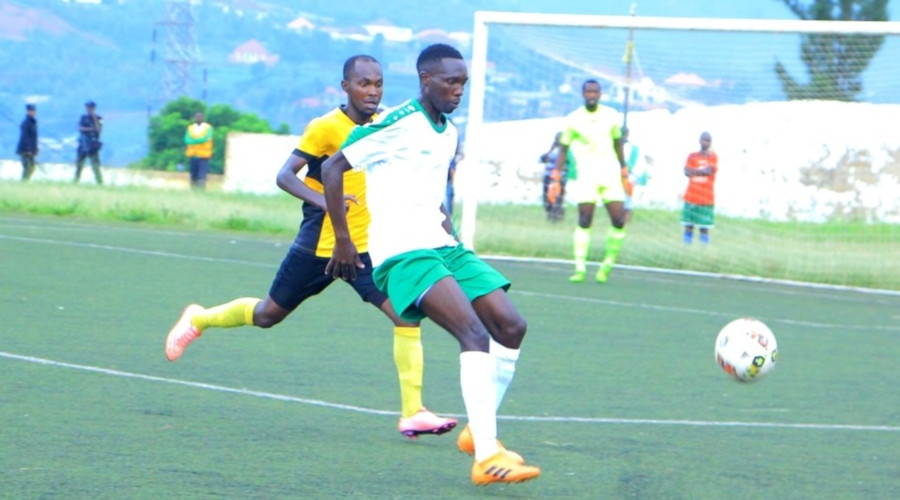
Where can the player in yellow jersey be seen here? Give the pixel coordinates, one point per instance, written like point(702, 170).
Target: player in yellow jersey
point(302, 273)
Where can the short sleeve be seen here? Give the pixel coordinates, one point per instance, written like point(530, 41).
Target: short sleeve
point(567, 135)
point(616, 131)
point(312, 144)
point(372, 145)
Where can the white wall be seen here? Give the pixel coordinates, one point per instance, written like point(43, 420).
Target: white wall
point(808, 161)
point(252, 161)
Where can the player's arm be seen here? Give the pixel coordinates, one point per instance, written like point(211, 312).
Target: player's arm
point(618, 144)
point(344, 259)
point(691, 171)
point(288, 181)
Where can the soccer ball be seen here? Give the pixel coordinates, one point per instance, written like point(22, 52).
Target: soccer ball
point(746, 349)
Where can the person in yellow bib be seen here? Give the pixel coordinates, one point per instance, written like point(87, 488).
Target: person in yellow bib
point(199, 141)
point(302, 272)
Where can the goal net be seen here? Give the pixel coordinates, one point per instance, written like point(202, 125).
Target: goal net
point(803, 117)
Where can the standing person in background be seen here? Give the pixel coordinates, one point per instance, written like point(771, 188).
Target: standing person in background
point(302, 272)
point(28, 141)
point(699, 198)
point(89, 127)
point(555, 182)
point(199, 141)
point(637, 173)
point(594, 136)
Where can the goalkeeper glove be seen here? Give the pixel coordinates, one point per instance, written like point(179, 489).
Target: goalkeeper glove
point(626, 182)
point(554, 187)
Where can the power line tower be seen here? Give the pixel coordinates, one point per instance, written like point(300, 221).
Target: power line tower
point(180, 55)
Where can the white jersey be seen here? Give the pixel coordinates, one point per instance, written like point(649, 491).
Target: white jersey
point(590, 135)
point(406, 157)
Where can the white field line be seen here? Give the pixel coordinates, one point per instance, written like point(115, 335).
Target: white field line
point(372, 411)
point(702, 274)
point(648, 270)
point(151, 253)
point(681, 310)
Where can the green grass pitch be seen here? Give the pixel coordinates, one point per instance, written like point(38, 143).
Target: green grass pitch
point(616, 394)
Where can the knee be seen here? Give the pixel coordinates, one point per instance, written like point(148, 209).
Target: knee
point(511, 331)
point(266, 320)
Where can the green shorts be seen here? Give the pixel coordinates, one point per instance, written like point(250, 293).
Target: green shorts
point(698, 215)
point(406, 277)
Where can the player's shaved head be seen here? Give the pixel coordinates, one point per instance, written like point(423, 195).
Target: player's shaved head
point(589, 82)
point(705, 140)
point(590, 90)
point(350, 64)
point(442, 79)
point(432, 55)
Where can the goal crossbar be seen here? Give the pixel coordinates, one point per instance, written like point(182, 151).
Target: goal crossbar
point(690, 23)
point(482, 19)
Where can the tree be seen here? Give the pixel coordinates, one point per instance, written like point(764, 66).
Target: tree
point(834, 62)
point(168, 127)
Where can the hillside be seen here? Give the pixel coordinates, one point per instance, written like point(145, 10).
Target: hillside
point(60, 53)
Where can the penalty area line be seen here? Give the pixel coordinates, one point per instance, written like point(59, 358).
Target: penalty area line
point(372, 411)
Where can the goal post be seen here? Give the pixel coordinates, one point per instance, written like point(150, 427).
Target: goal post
point(788, 169)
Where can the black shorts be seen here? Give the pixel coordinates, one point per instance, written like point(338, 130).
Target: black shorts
point(302, 275)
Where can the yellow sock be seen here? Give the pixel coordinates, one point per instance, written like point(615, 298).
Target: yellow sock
point(410, 361)
point(238, 312)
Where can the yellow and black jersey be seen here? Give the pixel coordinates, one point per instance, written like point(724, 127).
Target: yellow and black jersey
point(322, 138)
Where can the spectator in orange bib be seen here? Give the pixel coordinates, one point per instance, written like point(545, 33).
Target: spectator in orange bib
point(699, 198)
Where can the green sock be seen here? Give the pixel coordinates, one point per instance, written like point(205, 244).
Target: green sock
point(582, 242)
point(614, 239)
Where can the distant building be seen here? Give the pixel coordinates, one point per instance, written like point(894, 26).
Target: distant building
point(643, 93)
point(460, 38)
point(252, 52)
point(433, 35)
point(686, 79)
point(350, 33)
point(389, 31)
point(301, 25)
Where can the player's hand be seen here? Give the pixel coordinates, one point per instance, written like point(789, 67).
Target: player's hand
point(344, 261)
point(628, 186)
point(554, 189)
point(350, 198)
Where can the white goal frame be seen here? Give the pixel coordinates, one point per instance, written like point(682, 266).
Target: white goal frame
point(482, 20)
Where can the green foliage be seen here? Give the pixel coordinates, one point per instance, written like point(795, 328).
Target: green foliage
point(167, 131)
point(834, 62)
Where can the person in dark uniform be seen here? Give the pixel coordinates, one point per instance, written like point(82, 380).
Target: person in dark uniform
point(90, 125)
point(28, 141)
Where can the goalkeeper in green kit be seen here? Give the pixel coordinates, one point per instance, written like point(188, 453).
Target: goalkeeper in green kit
point(593, 135)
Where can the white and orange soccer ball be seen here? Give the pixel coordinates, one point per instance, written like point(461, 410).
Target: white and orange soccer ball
point(746, 349)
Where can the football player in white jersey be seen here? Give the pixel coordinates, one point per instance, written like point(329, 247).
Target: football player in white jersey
point(418, 263)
